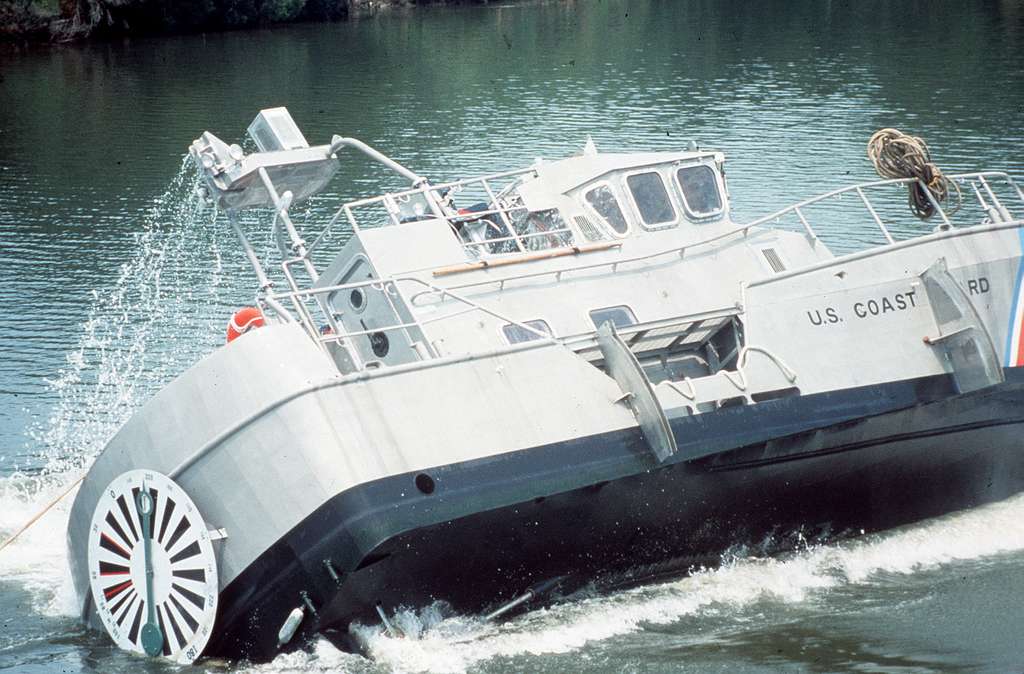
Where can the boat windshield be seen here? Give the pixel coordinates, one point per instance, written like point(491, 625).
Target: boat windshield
point(651, 199)
point(505, 225)
point(700, 190)
point(603, 201)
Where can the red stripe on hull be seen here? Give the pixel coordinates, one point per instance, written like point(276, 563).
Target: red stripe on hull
point(1020, 346)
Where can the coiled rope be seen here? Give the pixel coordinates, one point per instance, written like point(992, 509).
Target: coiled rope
point(899, 155)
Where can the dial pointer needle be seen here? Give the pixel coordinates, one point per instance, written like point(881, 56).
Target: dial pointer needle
point(152, 638)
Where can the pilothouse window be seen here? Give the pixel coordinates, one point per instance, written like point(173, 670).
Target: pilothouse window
point(651, 198)
point(540, 230)
point(604, 203)
point(516, 334)
point(700, 190)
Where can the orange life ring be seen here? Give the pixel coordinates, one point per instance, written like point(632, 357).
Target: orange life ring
point(244, 320)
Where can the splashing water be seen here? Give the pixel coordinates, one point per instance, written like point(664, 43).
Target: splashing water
point(132, 341)
point(163, 311)
point(440, 642)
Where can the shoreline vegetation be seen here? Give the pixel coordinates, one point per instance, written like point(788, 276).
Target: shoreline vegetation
point(70, 20)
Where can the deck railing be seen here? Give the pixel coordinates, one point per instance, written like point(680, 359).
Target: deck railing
point(667, 332)
point(330, 329)
point(978, 185)
point(429, 201)
point(976, 182)
point(326, 327)
point(992, 209)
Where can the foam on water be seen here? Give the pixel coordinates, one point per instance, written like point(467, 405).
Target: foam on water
point(438, 641)
point(37, 561)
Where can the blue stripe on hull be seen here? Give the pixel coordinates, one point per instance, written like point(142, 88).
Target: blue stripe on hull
point(1016, 301)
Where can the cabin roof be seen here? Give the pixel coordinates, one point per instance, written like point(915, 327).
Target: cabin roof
point(559, 177)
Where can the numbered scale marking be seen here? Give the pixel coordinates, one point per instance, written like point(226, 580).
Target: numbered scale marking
point(152, 568)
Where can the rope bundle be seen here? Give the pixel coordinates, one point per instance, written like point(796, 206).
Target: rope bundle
point(899, 155)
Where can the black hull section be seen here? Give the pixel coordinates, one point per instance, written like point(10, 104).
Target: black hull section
point(600, 509)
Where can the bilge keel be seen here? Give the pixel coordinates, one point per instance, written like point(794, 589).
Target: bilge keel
point(581, 372)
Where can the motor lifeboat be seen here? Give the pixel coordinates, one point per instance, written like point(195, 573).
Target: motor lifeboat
point(581, 373)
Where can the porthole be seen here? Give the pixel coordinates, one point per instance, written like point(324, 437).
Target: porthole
point(425, 483)
point(357, 299)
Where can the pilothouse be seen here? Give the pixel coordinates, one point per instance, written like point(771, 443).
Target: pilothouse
point(579, 373)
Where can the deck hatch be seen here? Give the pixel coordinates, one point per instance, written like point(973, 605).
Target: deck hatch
point(670, 337)
point(622, 366)
point(964, 341)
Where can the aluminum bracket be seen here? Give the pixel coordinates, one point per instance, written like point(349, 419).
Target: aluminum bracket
point(623, 367)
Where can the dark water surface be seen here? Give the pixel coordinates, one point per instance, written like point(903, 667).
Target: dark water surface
point(112, 281)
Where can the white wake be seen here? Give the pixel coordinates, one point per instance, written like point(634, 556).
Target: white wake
point(443, 643)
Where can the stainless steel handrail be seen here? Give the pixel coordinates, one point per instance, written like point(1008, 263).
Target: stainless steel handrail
point(422, 188)
point(744, 229)
point(614, 264)
point(297, 296)
point(573, 342)
point(437, 187)
point(879, 183)
point(863, 254)
point(431, 193)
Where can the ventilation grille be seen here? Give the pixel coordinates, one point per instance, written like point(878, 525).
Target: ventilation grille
point(773, 259)
point(589, 229)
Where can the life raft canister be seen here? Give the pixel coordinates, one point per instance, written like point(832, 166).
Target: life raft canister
point(244, 320)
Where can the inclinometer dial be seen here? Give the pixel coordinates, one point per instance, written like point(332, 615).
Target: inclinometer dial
point(152, 567)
